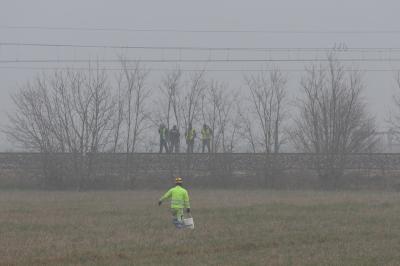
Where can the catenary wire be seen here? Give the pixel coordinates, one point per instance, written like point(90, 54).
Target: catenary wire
point(189, 69)
point(279, 49)
point(232, 60)
point(175, 30)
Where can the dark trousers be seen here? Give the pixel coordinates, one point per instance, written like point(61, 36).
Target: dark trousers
point(163, 144)
point(206, 143)
point(174, 147)
point(190, 145)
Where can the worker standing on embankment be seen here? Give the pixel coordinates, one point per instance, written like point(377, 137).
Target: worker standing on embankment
point(179, 201)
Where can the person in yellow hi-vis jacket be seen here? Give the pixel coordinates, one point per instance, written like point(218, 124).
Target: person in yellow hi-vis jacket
point(179, 201)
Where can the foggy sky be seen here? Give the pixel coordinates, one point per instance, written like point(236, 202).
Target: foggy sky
point(306, 15)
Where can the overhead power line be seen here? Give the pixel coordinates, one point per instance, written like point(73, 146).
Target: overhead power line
point(226, 31)
point(198, 60)
point(278, 49)
point(190, 69)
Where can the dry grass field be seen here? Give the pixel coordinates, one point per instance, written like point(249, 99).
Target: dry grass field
point(254, 227)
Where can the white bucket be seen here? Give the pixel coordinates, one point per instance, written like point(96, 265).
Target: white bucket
point(188, 222)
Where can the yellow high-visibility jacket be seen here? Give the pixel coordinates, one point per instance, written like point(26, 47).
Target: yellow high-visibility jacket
point(205, 133)
point(179, 197)
point(190, 134)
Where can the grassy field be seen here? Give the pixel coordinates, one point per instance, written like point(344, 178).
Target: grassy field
point(232, 228)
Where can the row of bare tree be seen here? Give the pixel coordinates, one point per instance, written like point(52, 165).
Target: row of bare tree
point(87, 112)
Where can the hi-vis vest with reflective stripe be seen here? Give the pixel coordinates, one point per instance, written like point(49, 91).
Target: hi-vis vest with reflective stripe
point(179, 197)
point(205, 133)
point(190, 134)
point(163, 132)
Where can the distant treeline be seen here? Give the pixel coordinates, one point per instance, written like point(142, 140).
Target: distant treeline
point(89, 112)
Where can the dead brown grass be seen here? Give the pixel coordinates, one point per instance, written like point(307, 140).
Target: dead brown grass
point(248, 227)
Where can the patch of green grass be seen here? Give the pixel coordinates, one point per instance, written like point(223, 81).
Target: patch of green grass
point(232, 228)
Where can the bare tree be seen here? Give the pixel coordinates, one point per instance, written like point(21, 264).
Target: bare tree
point(190, 104)
point(136, 97)
point(136, 114)
point(29, 126)
point(170, 98)
point(267, 106)
point(217, 108)
point(246, 131)
point(333, 120)
point(191, 98)
point(64, 112)
point(119, 110)
point(84, 107)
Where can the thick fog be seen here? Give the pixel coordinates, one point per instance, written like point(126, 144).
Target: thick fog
point(210, 24)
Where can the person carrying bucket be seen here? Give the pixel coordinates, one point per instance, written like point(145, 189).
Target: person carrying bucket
point(179, 201)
